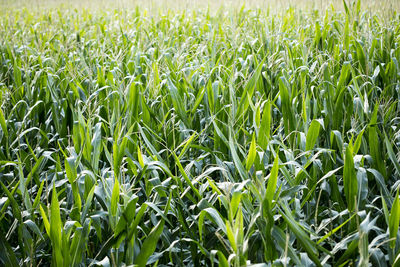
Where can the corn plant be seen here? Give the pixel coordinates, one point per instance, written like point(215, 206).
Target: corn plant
point(221, 137)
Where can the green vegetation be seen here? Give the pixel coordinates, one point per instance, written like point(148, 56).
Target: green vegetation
point(192, 138)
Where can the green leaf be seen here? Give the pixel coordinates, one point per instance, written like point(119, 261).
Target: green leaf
point(346, 8)
point(235, 201)
point(350, 182)
point(394, 220)
point(33, 226)
point(186, 177)
point(140, 157)
point(375, 144)
point(96, 144)
point(252, 153)
point(330, 233)
point(249, 90)
point(236, 160)
point(287, 113)
point(213, 215)
point(265, 127)
point(70, 169)
point(3, 123)
point(312, 134)
point(14, 204)
point(186, 144)
point(55, 228)
point(272, 181)
point(45, 220)
point(88, 202)
point(115, 198)
point(301, 236)
point(177, 102)
point(357, 143)
point(392, 155)
point(149, 245)
point(230, 235)
point(38, 195)
point(222, 262)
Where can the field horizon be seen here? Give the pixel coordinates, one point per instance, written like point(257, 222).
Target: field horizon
point(154, 6)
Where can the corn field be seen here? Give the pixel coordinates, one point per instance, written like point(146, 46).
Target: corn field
point(208, 137)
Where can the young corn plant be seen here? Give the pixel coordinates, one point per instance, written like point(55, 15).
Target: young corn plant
point(227, 136)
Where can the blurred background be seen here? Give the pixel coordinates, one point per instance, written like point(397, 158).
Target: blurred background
point(213, 5)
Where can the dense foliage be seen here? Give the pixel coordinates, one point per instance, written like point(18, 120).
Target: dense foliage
point(199, 138)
